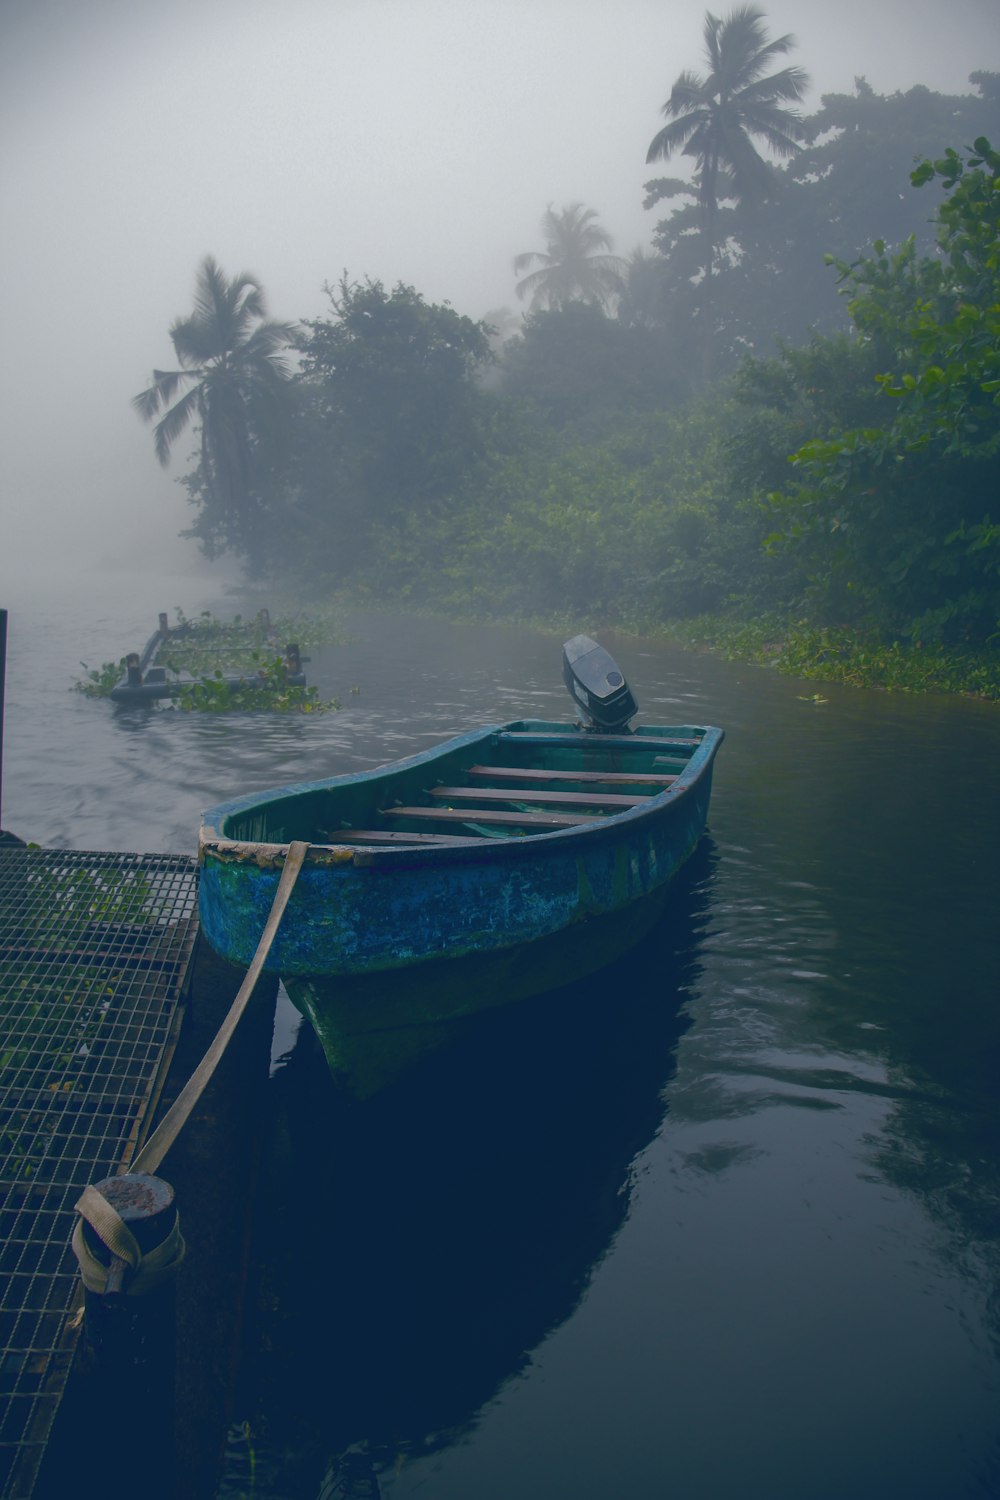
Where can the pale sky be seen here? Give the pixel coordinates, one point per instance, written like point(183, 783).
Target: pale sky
point(413, 140)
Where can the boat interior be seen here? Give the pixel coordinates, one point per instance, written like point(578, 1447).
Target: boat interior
point(532, 781)
point(513, 781)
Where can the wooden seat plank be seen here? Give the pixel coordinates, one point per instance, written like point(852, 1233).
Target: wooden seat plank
point(393, 836)
point(617, 800)
point(582, 741)
point(484, 815)
point(584, 778)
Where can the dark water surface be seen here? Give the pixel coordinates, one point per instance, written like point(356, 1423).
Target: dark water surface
point(723, 1220)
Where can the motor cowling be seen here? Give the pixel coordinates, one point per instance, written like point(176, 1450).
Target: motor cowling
point(597, 686)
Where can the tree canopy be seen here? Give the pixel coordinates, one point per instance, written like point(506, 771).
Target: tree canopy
point(716, 117)
point(569, 460)
point(846, 187)
point(388, 420)
point(896, 518)
point(576, 264)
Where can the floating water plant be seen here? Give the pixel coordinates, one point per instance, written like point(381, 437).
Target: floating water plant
point(269, 690)
point(100, 680)
point(210, 665)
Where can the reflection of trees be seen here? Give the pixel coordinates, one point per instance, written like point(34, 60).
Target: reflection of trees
point(443, 1229)
point(923, 924)
point(853, 956)
point(941, 1146)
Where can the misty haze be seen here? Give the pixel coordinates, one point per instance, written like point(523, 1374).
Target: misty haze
point(416, 144)
point(444, 331)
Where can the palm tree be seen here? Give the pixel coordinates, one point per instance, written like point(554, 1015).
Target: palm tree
point(643, 299)
point(231, 359)
point(572, 267)
point(715, 118)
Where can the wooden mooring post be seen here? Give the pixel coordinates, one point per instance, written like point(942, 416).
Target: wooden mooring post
point(151, 1390)
point(129, 1247)
point(3, 683)
point(5, 838)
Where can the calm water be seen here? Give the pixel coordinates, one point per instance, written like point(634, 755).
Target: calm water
point(723, 1221)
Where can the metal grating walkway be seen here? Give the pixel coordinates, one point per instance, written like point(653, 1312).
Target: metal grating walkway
point(94, 953)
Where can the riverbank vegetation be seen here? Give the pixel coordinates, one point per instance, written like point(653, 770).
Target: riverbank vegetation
point(774, 432)
point(848, 655)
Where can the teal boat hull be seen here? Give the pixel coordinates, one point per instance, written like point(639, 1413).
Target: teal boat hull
point(384, 948)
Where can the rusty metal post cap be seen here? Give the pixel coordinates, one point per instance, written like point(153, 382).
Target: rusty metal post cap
point(145, 1203)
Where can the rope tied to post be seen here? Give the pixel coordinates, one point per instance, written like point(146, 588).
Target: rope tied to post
point(143, 1272)
point(169, 1128)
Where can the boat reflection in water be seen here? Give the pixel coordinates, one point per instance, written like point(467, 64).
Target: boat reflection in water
point(416, 1248)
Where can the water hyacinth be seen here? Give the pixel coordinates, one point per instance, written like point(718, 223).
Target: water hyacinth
point(213, 652)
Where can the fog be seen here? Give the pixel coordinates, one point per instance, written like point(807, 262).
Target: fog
point(413, 140)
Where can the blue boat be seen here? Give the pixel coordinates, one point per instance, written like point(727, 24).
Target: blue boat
point(503, 863)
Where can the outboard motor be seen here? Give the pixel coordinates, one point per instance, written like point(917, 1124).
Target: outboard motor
point(598, 688)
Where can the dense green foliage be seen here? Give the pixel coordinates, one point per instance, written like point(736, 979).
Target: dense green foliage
point(829, 653)
point(847, 187)
point(641, 524)
point(577, 370)
point(840, 468)
point(894, 519)
point(100, 680)
point(390, 423)
point(268, 691)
